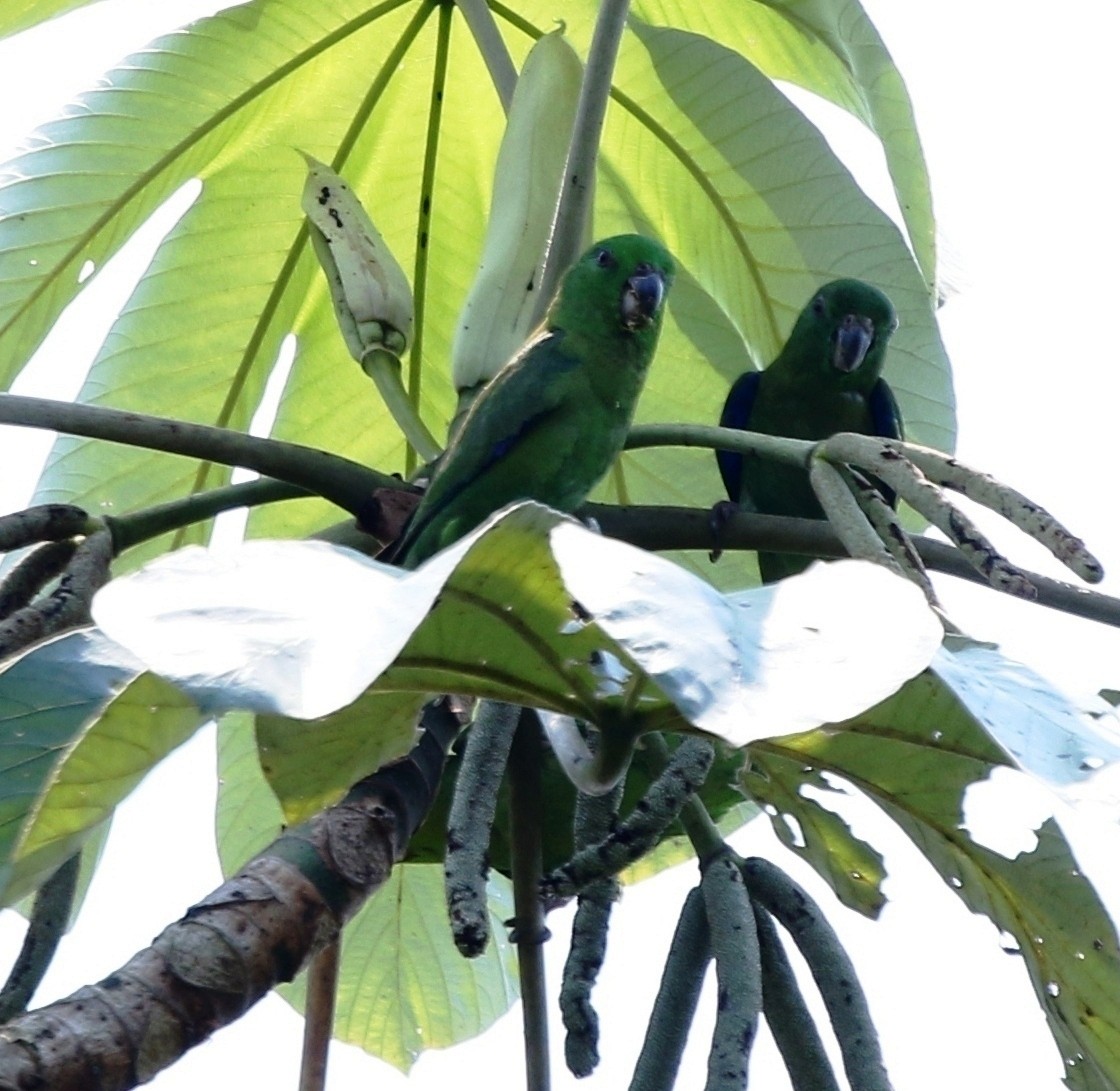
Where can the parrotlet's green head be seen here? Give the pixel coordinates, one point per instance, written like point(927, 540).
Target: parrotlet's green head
point(616, 290)
point(845, 328)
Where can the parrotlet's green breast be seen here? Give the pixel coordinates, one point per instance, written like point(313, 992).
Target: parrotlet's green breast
point(826, 379)
point(552, 421)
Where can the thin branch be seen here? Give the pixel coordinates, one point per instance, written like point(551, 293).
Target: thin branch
point(526, 820)
point(345, 483)
point(318, 1022)
point(49, 917)
point(147, 523)
point(574, 208)
point(795, 452)
point(657, 527)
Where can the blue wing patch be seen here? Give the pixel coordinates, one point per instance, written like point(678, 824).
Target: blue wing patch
point(737, 414)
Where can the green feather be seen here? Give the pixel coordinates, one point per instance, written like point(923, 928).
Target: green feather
point(551, 422)
point(826, 379)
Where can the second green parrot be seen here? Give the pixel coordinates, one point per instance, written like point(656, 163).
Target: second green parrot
point(549, 425)
point(827, 379)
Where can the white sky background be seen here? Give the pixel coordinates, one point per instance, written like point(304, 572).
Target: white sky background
point(1016, 108)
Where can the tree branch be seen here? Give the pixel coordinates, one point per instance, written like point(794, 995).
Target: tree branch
point(345, 483)
point(664, 528)
point(255, 931)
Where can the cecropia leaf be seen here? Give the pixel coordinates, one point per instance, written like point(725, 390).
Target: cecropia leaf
point(531, 607)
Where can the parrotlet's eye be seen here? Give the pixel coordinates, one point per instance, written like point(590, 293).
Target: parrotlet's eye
point(605, 259)
point(818, 305)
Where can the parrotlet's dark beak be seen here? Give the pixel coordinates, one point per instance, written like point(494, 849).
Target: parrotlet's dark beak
point(641, 297)
point(853, 339)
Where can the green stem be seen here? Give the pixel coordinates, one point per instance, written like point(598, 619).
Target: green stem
point(526, 819)
point(793, 451)
point(574, 209)
point(143, 525)
point(385, 370)
point(480, 22)
point(345, 483)
point(424, 216)
point(404, 412)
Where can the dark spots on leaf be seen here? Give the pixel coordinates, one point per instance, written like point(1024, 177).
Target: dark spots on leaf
point(423, 240)
point(426, 204)
point(529, 286)
point(324, 194)
point(336, 218)
point(580, 611)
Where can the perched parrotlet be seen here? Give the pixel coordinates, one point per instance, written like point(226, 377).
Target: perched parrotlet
point(826, 379)
point(551, 422)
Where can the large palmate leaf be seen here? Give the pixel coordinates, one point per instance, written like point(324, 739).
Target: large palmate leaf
point(602, 631)
point(403, 987)
point(917, 755)
point(831, 48)
point(700, 148)
point(20, 14)
point(82, 724)
point(773, 658)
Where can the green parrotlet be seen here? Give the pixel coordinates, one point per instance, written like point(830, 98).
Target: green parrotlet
point(827, 379)
point(551, 422)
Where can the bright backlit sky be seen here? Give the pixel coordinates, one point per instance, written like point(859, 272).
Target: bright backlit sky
point(1016, 107)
